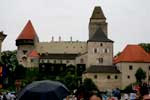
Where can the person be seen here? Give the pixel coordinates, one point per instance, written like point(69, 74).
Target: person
point(4, 97)
point(126, 96)
point(117, 93)
point(95, 96)
point(132, 95)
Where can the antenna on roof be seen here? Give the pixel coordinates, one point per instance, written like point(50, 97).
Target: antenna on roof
point(71, 38)
point(59, 38)
point(52, 38)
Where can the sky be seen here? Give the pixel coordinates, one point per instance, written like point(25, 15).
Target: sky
point(128, 20)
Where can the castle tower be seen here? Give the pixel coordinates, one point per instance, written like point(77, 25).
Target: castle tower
point(26, 42)
point(97, 20)
point(100, 47)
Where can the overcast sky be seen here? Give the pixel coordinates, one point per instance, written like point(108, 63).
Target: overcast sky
point(128, 20)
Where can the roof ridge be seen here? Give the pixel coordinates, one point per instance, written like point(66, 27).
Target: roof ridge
point(133, 53)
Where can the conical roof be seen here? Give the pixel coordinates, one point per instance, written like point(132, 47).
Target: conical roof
point(133, 53)
point(28, 32)
point(99, 36)
point(98, 13)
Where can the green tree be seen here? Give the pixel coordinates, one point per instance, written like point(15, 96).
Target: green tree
point(20, 72)
point(70, 80)
point(9, 58)
point(89, 85)
point(140, 75)
point(145, 46)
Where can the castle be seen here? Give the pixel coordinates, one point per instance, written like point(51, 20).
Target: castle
point(95, 55)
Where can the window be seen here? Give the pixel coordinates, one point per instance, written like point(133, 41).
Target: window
point(95, 50)
point(81, 60)
point(106, 50)
point(108, 77)
point(95, 76)
point(31, 60)
point(99, 60)
point(24, 51)
point(101, 44)
point(128, 77)
point(116, 77)
point(149, 67)
point(130, 67)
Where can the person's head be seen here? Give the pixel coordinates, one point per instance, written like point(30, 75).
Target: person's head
point(95, 96)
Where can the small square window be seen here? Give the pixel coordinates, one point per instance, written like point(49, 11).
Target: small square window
point(24, 51)
point(101, 44)
point(116, 77)
point(130, 67)
point(128, 77)
point(108, 77)
point(95, 76)
point(99, 60)
point(95, 50)
point(149, 67)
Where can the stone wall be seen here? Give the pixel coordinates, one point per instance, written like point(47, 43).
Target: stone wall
point(102, 82)
point(128, 73)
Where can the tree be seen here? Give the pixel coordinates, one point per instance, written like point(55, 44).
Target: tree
point(9, 58)
point(140, 75)
point(20, 72)
point(70, 80)
point(89, 85)
point(145, 46)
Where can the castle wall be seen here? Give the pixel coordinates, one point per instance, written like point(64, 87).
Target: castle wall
point(63, 47)
point(102, 82)
point(128, 73)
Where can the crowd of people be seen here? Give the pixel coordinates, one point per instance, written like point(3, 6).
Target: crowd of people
point(7, 96)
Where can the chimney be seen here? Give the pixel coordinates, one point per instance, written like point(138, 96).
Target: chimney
point(59, 38)
point(71, 38)
point(52, 38)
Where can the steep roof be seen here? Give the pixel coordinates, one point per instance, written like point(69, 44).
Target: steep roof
point(98, 13)
point(28, 32)
point(99, 36)
point(102, 69)
point(33, 53)
point(133, 53)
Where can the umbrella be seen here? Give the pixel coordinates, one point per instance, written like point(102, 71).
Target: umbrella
point(44, 90)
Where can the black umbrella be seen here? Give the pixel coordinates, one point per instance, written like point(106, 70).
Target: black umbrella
point(43, 90)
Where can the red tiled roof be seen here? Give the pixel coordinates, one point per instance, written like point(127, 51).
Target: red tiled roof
point(28, 32)
point(33, 53)
point(133, 53)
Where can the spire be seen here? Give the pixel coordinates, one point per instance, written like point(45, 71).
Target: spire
point(99, 36)
point(28, 32)
point(98, 13)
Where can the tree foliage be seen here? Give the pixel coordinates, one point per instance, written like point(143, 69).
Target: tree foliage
point(89, 85)
point(145, 46)
point(9, 58)
point(140, 75)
